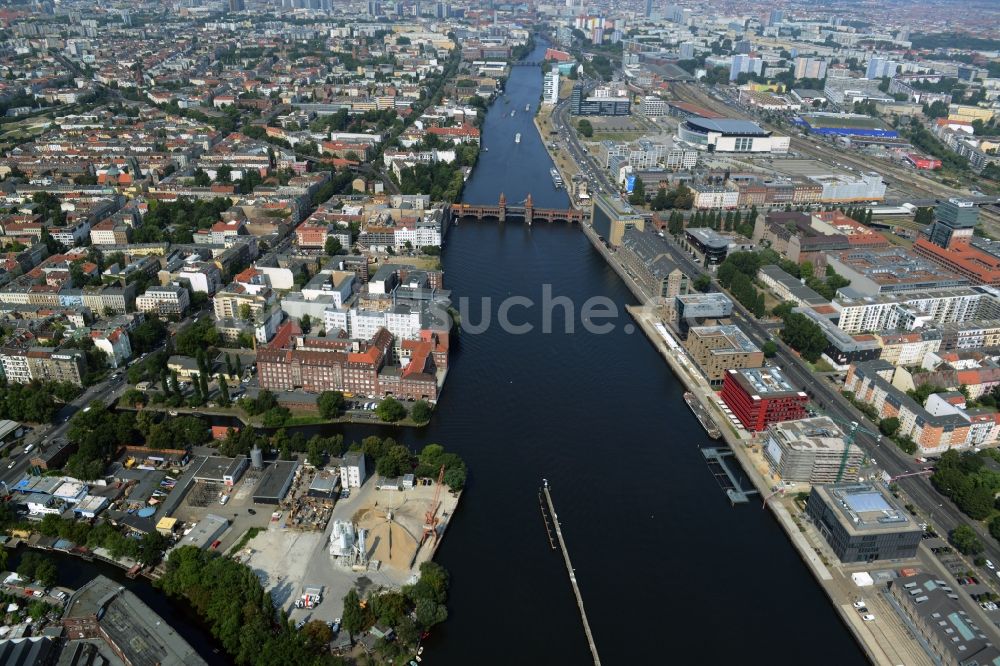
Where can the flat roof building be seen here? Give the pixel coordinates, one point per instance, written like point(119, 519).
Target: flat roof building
point(219, 469)
point(696, 309)
point(862, 524)
point(762, 396)
point(205, 532)
point(891, 270)
point(811, 451)
point(718, 348)
point(276, 482)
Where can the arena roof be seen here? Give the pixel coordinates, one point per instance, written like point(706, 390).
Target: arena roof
point(728, 126)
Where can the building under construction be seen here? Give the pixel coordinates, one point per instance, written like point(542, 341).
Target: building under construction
point(811, 450)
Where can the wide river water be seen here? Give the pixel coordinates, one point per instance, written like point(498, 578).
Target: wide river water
point(670, 572)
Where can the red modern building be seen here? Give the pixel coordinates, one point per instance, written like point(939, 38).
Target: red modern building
point(762, 396)
point(923, 161)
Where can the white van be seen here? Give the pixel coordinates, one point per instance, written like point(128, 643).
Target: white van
point(28, 448)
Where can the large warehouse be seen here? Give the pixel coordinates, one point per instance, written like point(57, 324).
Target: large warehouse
point(723, 135)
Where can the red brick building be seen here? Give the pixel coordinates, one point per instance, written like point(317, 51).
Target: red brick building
point(762, 396)
point(315, 365)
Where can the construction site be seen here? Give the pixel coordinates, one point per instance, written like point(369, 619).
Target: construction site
point(377, 537)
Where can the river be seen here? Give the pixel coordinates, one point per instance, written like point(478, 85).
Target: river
point(666, 565)
point(74, 572)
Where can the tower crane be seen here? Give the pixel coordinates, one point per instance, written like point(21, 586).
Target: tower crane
point(851, 430)
point(430, 518)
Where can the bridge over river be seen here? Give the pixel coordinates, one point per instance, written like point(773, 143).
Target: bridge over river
point(526, 210)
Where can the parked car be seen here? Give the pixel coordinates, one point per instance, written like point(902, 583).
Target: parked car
point(860, 603)
point(868, 617)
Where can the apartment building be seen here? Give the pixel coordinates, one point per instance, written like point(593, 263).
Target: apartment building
point(886, 312)
point(717, 349)
point(164, 301)
point(871, 383)
point(115, 344)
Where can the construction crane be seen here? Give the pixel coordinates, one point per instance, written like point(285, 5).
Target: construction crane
point(430, 518)
point(853, 427)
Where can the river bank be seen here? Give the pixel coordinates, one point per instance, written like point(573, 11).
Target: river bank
point(74, 572)
point(299, 418)
point(647, 316)
point(594, 414)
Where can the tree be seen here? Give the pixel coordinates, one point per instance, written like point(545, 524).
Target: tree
point(420, 412)
point(803, 335)
point(353, 619)
point(224, 174)
point(317, 633)
point(395, 462)
point(330, 404)
point(965, 539)
point(314, 453)
point(638, 196)
point(245, 312)
point(454, 478)
point(888, 426)
point(585, 128)
point(661, 201)
point(770, 349)
point(305, 323)
point(201, 178)
point(995, 527)
point(333, 246)
point(390, 410)
point(223, 398)
point(203, 386)
point(702, 283)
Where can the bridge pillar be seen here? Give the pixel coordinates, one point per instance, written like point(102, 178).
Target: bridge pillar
point(529, 210)
point(503, 207)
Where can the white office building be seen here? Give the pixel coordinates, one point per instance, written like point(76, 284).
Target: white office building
point(550, 87)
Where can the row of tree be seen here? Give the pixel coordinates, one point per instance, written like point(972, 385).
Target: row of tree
point(229, 598)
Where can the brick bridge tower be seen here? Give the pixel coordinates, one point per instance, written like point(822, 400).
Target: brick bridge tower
point(529, 208)
point(503, 207)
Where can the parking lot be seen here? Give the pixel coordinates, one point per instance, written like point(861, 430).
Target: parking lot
point(975, 583)
point(239, 509)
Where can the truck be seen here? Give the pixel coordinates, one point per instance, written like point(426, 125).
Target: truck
point(223, 498)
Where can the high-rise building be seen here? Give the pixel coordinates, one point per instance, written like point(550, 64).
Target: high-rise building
point(810, 68)
point(550, 87)
point(237, 5)
point(649, 8)
point(674, 13)
point(744, 64)
point(776, 17)
point(954, 220)
point(686, 50)
point(373, 7)
point(743, 46)
point(881, 67)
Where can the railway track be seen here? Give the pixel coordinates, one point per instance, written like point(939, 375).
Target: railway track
point(897, 178)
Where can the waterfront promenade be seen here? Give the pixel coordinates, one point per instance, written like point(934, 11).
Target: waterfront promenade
point(887, 644)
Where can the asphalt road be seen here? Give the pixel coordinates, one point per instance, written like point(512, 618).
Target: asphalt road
point(106, 391)
point(933, 507)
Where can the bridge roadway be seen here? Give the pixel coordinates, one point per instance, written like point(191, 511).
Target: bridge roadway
point(501, 211)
